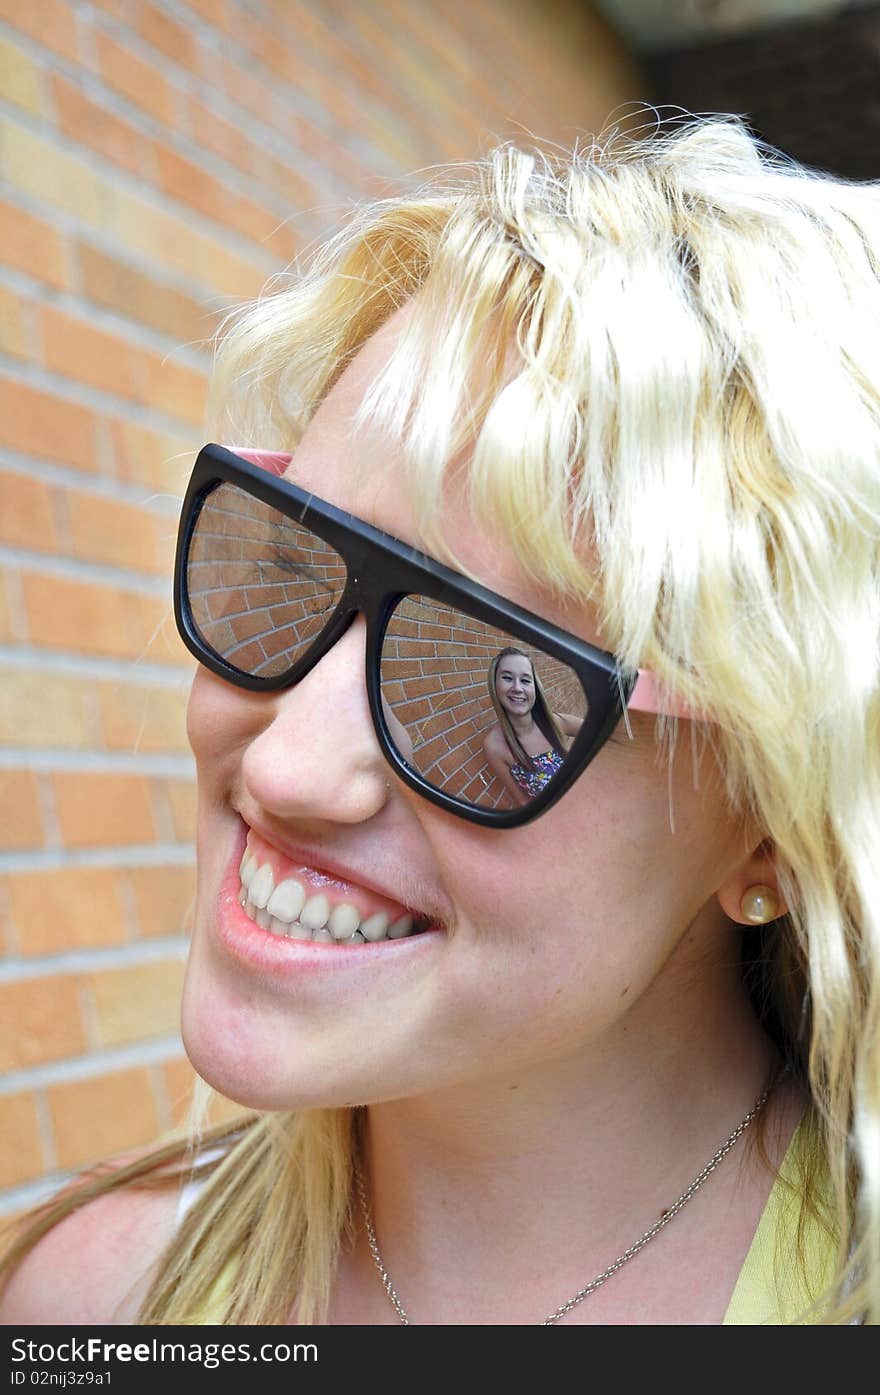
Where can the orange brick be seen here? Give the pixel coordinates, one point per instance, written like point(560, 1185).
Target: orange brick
point(340, 100)
point(164, 898)
point(6, 627)
point(38, 166)
point(216, 12)
point(21, 80)
point(179, 1081)
point(95, 1118)
point(50, 23)
point(96, 810)
point(267, 46)
point(13, 338)
point(166, 545)
point(63, 180)
point(302, 16)
point(106, 530)
point(163, 644)
point(288, 181)
point(45, 709)
point(134, 1004)
point(66, 908)
point(138, 717)
point(154, 458)
point(172, 240)
point(40, 1020)
point(169, 37)
point(38, 423)
point(190, 184)
point(334, 156)
point(220, 137)
point(94, 126)
point(31, 245)
point(21, 1151)
point(119, 287)
point(281, 239)
point(141, 83)
point(246, 89)
point(89, 619)
point(20, 816)
point(26, 519)
point(336, 56)
point(89, 355)
point(173, 388)
point(182, 798)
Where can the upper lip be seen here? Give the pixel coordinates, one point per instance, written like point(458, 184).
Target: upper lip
point(323, 861)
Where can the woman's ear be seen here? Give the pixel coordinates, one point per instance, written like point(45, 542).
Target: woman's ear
point(751, 895)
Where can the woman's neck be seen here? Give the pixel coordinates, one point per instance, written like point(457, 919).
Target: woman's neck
point(565, 1163)
point(523, 726)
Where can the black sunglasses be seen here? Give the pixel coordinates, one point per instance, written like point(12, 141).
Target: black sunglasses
point(481, 706)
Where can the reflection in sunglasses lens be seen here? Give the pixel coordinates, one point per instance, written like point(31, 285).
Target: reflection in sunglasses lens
point(261, 586)
point(478, 714)
point(481, 716)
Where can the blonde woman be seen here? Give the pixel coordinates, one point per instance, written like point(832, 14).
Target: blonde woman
point(611, 1056)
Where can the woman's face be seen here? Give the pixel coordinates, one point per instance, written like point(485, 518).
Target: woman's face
point(579, 932)
point(515, 684)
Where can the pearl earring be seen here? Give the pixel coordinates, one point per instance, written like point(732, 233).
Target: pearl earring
point(759, 904)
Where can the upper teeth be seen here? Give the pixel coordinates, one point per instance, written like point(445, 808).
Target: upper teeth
point(286, 910)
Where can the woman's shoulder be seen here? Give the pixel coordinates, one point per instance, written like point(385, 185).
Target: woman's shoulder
point(95, 1265)
point(494, 742)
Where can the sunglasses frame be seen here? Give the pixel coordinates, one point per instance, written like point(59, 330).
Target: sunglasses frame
point(381, 570)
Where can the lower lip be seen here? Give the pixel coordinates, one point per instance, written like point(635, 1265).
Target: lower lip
point(260, 949)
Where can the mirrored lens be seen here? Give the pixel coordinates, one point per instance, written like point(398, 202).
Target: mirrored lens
point(261, 586)
point(481, 716)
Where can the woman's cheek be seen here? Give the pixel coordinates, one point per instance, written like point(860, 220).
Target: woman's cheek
point(221, 720)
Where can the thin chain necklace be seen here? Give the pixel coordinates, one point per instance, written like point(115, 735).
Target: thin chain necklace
point(665, 1217)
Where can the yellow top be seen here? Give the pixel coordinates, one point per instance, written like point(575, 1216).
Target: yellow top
point(772, 1288)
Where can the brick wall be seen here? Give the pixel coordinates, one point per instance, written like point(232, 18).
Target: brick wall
point(158, 162)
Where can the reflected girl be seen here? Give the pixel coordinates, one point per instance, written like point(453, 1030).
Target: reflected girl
point(515, 747)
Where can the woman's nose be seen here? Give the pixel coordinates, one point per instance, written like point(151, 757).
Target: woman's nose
point(319, 756)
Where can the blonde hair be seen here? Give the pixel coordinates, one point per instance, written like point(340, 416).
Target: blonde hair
point(696, 394)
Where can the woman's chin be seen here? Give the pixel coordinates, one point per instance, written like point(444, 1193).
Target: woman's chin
point(257, 1064)
point(235, 1064)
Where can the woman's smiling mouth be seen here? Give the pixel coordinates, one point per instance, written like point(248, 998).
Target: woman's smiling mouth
point(273, 903)
point(301, 903)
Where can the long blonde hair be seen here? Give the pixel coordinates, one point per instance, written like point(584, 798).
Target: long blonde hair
point(697, 395)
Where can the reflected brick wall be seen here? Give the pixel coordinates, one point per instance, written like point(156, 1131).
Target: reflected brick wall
point(260, 586)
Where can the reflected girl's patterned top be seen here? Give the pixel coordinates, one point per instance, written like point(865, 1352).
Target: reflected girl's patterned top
point(533, 781)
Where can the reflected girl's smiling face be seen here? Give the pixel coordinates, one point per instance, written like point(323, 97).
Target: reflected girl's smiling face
point(576, 933)
point(515, 684)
